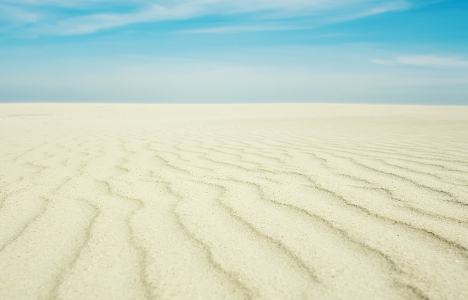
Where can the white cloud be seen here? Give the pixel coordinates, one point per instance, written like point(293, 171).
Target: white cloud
point(432, 61)
point(60, 3)
point(142, 11)
point(428, 61)
point(323, 13)
point(17, 15)
point(369, 10)
point(92, 23)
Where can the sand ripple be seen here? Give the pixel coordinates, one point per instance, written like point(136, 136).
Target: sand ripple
point(233, 202)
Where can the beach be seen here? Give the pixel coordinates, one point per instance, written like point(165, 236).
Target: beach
point(233, 201)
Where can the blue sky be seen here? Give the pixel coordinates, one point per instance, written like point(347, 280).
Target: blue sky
point(217, 51)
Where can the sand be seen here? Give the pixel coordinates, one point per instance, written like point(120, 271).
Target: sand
point(274, 201)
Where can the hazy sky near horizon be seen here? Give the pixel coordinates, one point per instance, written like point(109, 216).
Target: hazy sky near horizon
point(217, 51)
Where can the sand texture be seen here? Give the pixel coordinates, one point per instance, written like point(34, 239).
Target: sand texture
point(285, 201)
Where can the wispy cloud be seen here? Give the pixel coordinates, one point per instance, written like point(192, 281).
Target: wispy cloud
point(96, 22)
point(13, 16)
point(367, 9)
point(427, 61)
point(321, 12)
point(432, 61)
point(77, 17)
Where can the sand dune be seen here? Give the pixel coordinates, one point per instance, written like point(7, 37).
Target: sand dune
point(297, 201)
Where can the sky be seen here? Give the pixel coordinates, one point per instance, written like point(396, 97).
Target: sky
point(234, 51)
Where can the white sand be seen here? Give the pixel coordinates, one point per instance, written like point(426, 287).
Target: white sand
point(301, 201)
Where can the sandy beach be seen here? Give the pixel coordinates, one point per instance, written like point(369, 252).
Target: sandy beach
point(254, 201)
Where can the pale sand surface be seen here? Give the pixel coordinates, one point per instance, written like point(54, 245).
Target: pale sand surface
point(285, 201)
